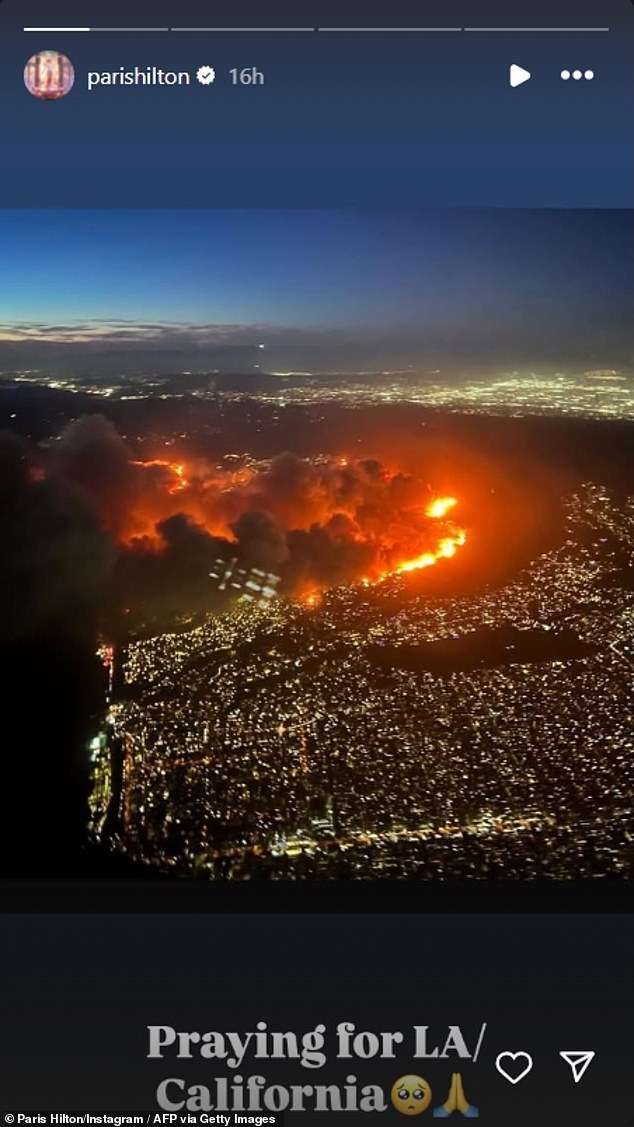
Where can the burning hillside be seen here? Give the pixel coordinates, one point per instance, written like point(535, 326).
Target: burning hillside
point(318, 524)
point(315, 522)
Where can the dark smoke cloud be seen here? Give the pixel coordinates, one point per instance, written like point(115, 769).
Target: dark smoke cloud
point(163, 584)
point(14, 467)
point(299, 494)
point(324, 557)
point(94, 457)
point(54, 569)
point(260, 540)
point(189, 550)
point(55, 557)
point(315, 524)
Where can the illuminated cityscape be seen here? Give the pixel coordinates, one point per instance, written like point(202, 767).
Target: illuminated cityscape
point(317, 531)
point(294, 742)
point(597, 393)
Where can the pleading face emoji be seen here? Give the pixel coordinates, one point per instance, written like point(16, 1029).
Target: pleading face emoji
point(411, 1095)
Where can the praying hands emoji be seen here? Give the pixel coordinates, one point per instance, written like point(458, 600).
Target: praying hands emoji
point(456, 1101)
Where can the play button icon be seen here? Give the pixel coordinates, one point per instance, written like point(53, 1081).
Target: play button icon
point(517, 75)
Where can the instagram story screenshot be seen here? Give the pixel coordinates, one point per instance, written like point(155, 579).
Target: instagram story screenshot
point(316, 557)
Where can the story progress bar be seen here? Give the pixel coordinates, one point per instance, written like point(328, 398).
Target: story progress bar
point(347, 30)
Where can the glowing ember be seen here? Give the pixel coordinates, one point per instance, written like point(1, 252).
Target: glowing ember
point(175, 468)
point(440, 506)
point(426, 560)
point(447, 548)
point(182, 482)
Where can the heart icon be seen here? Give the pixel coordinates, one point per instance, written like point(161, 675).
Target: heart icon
point(513, 1070)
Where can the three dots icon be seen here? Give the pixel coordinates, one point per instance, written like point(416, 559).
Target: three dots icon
point(577, 74)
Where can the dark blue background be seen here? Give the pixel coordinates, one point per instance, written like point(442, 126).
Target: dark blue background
point(348, 120)
point(78, 994)
point(343, 120)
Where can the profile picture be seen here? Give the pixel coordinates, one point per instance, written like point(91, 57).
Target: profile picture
point(49, 75)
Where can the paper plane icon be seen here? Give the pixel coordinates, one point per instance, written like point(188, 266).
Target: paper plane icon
point(578, 1061)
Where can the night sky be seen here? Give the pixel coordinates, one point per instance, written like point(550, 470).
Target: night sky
point(405, 287)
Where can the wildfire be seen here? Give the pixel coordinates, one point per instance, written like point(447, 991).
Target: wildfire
point(332, 500)
point(182, 482)
point(177, 469)
point(447, 547)
point(440, 506)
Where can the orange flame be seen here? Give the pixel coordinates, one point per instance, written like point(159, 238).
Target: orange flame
point(440, 506)
point(200, 505)
point(447, 547)
point(175, 468)
point(182, 482)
